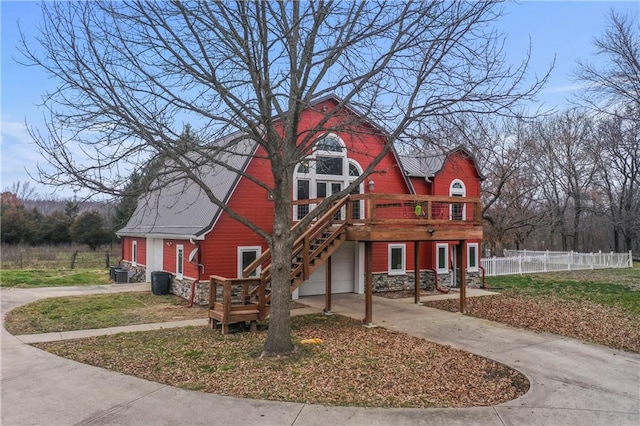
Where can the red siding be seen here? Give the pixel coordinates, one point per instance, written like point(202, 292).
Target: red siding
point(127, 249)
point(169, 253)
point(457, 167)
point(142, 251)
point(219, 250)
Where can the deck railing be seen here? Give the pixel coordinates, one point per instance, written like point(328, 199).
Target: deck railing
point(400, 209)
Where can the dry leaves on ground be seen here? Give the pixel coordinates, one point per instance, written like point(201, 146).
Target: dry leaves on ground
point(352, 365)
point(584, 320)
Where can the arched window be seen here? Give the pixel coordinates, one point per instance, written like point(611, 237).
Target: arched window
point(329, 143)
point(457, 210)
point(326, 172)
point(357, 207)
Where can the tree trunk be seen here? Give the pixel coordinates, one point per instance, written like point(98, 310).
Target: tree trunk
point(279, 340)
point(279, 336)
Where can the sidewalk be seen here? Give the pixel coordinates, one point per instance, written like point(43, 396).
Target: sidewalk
point(571, 382)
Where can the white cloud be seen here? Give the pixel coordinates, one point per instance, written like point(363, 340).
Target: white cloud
point(566, 88)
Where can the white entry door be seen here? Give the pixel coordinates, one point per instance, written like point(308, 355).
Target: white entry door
point(154, 256)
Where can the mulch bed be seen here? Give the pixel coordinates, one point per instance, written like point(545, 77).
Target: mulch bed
point(349, 365)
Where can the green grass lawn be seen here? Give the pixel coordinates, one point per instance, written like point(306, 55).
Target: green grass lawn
point(611, 287)
point(52, 277)
point(98, 311)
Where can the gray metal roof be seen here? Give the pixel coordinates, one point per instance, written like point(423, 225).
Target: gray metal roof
point(181, 208)
point(428, 164)
point(422, 165)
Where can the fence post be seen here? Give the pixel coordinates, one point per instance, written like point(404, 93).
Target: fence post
point(107, 260)
point(73, 259)
point(520, 265)
point(630, 259)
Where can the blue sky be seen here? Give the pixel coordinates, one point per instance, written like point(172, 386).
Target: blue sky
point(565, 30)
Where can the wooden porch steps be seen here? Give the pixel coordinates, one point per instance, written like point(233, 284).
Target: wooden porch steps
point(249, 299)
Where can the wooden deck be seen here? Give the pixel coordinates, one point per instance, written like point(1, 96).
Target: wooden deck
point(363, 217)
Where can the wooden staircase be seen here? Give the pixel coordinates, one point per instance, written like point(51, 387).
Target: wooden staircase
point(248, 299)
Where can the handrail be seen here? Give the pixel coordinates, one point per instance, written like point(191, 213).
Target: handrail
point(301, 246)
point(314, 226)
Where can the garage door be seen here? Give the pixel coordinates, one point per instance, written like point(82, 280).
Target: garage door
point(342, 271)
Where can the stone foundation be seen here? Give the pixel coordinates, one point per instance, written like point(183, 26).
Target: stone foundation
point(386, 282)
point(138, 272)
point(182, 288)
point(381, 282)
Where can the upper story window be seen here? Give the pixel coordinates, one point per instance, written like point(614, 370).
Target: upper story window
point(457, 189)
point(329, 143)
point(457, 210)
point(330, 166)
point(325, 172)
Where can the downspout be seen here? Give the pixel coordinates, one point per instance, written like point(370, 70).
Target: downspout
point(199, 265)
point(484, 280)
point(435, 280)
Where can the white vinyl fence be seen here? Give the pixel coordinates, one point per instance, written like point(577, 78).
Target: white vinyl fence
point(529, 262)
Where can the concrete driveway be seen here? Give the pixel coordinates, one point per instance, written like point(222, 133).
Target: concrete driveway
point(571, 382)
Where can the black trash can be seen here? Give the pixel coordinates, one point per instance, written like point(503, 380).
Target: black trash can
point(112, 272)
point(160, 282)
point(121, 276)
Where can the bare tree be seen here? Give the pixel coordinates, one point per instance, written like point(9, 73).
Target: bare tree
point(130, 73)
point(565, 172)
point(614, 80)
point(23, 190)
point(501, 146)
point(617, 158)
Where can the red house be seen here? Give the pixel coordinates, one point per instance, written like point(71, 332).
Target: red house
point(422, 210)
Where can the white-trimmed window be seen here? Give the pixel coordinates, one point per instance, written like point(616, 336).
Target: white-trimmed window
point(179, 261)
point(472, 257)
point(442, 258)
point(457, 210)
point(246, 255)
point(325, 172)
point(134, 252)
point(397, 259)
